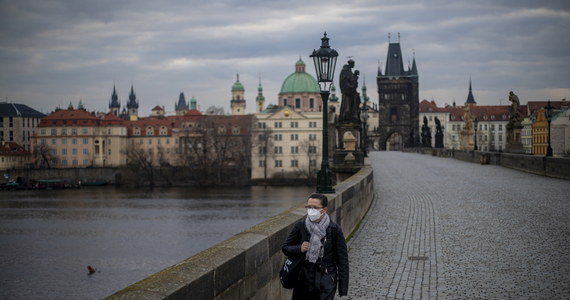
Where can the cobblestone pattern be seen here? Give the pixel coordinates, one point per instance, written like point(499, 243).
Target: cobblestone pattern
point(446, 229)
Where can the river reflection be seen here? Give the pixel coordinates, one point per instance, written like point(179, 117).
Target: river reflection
point(48, 238)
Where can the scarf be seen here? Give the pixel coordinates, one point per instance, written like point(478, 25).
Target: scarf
point(318, 232)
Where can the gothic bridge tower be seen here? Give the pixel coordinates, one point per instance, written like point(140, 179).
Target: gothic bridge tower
point(398, 102)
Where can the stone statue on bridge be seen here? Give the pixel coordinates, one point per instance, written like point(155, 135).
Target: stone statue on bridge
point(350, 97)
point(438, 133)
point(426, 134)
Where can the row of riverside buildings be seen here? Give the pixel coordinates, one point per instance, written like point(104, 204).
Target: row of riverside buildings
point(278, 141)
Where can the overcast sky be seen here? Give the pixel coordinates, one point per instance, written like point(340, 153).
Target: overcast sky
point(53, 52)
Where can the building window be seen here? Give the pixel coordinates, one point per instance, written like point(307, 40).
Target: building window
point(313, 163)
point(85, 131)
point(262, 163)
point(294, 149)
point(137, 131)
point(312, 124)
point(297, 103)
point(500, 127)
point(311, 103)
point(64, 162)
point(278, 125)
point(85, 141)
point(54, 132)
point(312, 137)
point(312, 149)
point(74, 141)
point(74, 151)
point(53, 141)
point(262, 150)
point(294, 124)
point(85, 151)
point(284, 102)
point(278, 150)
point(261, 125)
point(278, 164)
point(64, 151)
point(85, 162)
point(294, 163)
point(294, 137)
point(63, 131)
point(278, 137)
point(149, 131)
point(221, 130)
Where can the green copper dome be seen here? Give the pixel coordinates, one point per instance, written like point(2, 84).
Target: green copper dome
point(300, 81)
point(237, 85)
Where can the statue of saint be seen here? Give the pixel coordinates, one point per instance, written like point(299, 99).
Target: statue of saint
point(350, 99)
point(514, 113)
point(468, 118)
point(438, 126)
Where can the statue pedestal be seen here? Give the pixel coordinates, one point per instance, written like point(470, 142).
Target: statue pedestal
point(466, 140)
point(514, 144)
point(348, 158)
point(439, 140)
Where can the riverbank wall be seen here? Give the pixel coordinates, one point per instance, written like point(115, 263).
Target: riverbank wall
point(556, 167)
point(246, 266)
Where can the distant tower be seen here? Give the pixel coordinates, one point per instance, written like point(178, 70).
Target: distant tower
point(238, 99)
point(333, 99)
point(398, 102)
point(182, 106)
point(260, 99)
point(193, 103)
point(133, 105)
point(470, 98)
point(114, 104)
point(364, 98)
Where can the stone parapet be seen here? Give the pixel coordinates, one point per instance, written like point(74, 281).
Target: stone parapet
point(246, 266)
point(556, 167)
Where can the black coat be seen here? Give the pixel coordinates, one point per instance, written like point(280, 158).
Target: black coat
point(323, 277)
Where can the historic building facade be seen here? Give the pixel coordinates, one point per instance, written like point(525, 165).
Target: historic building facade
point(18, 123)
point(398, 102)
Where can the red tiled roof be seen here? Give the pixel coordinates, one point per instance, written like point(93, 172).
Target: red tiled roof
point(62, 117)
point(12, 149)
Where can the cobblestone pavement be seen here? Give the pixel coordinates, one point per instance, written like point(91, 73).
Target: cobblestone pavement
point(446, 229)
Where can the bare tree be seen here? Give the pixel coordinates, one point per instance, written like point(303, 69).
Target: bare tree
point(44, 156)
point(309, 148)
point(264, 145)
point(140, 162)
point(215, 145)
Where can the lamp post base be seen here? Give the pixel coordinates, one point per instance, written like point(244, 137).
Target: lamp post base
point(324, 181)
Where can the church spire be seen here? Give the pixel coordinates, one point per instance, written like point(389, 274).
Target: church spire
point(114, 104)
point(470, 98)
point(260, 99)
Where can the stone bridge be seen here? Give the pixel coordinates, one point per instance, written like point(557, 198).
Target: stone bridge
point(438, 228)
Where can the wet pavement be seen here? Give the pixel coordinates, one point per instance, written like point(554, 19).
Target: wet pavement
point(441, 228)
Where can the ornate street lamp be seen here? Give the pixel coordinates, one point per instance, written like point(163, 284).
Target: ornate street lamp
point(548, 111)
point(325, 62)
point(476, 123)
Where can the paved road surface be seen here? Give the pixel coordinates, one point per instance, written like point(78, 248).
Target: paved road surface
point(446, 229)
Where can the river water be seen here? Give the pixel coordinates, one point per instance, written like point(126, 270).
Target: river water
point(48, 238)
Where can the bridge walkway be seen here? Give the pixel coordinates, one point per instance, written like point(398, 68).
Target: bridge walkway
point(441, 228)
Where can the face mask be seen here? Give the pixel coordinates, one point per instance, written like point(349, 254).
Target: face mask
point(314, 214)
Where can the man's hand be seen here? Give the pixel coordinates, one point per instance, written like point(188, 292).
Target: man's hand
point(305, 247)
